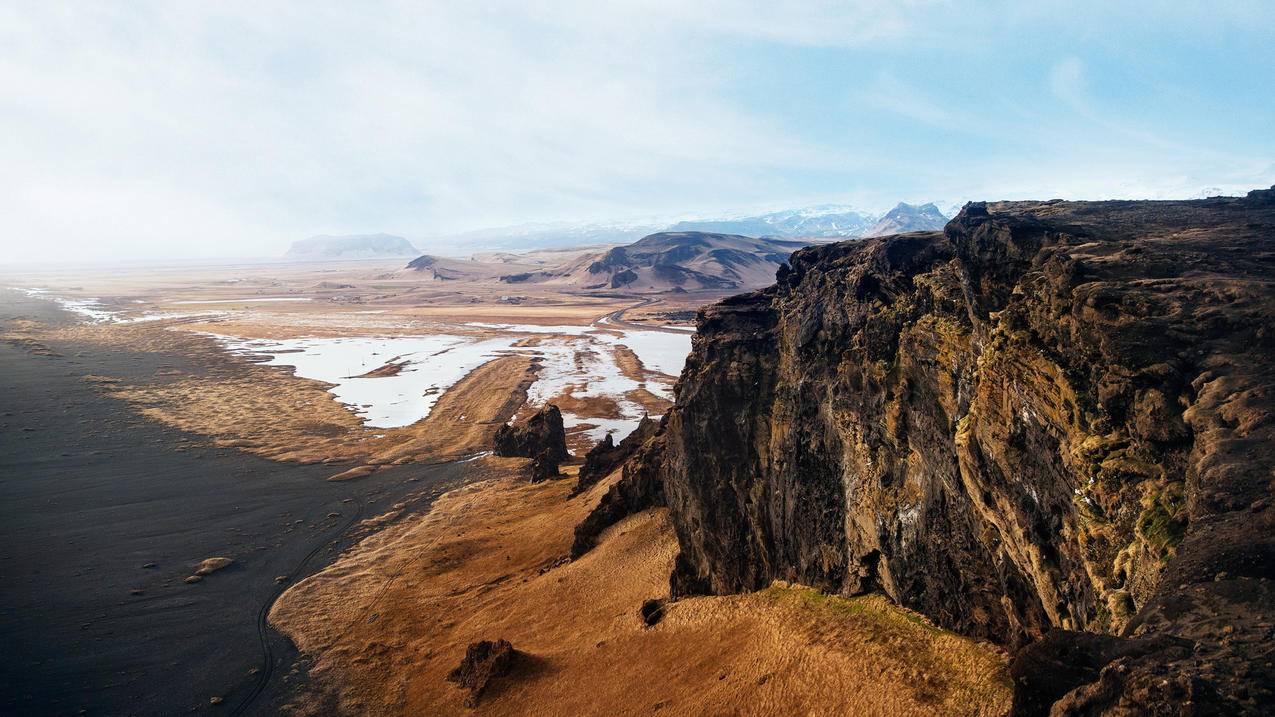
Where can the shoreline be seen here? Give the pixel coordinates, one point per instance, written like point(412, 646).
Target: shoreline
point(104, 512)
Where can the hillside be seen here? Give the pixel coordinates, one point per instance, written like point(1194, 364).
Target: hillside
point(452, 269)
point(352, 246)
point(1050, 425)
point(673, 261)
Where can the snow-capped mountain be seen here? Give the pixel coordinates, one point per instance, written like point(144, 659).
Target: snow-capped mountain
point(819, 221)
point(908, 218)
point(826, 220)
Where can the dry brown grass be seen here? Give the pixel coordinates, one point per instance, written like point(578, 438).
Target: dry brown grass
point(652, 404)
point(272, 413)
point(389, 619)
point(629, 364)
point(280, 416)
point(586, 406)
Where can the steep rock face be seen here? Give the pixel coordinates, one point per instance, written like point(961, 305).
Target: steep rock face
point(606, 456)
point(1050, 417)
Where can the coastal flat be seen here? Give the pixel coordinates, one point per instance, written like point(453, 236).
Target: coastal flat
point(92, 492)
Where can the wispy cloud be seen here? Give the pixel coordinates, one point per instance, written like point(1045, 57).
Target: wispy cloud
point(155, 127)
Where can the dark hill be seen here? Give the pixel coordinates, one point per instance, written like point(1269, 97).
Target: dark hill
point(688, 260)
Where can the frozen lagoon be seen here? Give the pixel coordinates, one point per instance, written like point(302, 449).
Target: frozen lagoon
point(578, 358)
point(575, 358)
point(429, 366)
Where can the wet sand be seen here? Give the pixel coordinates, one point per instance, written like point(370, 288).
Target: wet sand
point(90, 493)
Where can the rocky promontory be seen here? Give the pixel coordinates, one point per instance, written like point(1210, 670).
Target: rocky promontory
point(1049, 425)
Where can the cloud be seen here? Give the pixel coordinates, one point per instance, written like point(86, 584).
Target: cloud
point(421, 119)
point(159, 128)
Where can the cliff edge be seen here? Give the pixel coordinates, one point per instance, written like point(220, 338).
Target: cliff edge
point(1050, 425)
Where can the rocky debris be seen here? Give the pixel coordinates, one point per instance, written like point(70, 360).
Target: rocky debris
point(1052, 423)
point(540, 435)
point(212, 565)
point(192, 579)
point(606, 456)
point(483, 662)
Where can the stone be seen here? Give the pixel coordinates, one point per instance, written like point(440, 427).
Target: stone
point(541, 434)
point(212, 565)
point(483, 662)
point(543, 468)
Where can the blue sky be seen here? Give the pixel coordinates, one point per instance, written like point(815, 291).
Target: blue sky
point(177, 129)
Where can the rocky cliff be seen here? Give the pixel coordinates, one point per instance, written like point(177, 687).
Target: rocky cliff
point(1047, 423)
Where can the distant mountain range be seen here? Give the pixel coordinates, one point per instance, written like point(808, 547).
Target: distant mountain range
point(828, 220)
point(351, 246)
point(821, 221)
point(660, 262)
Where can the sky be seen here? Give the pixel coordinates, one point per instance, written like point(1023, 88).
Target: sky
point(172, 129)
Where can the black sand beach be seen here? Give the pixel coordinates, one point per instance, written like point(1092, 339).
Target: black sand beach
point(92, 494)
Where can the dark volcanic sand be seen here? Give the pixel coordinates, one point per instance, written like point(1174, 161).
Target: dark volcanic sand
point(90, 492)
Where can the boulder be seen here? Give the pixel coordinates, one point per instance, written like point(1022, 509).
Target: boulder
point(483, 662)
point(212, 565)
point(540, 435)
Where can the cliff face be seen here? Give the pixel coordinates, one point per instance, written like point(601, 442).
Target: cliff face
point(1049, 416)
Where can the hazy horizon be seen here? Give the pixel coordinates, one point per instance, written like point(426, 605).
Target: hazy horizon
point(163, 132)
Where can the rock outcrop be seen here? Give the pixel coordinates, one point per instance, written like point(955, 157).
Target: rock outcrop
point(541, 436)
point(483, 662)
point(1051, 425)
point(606, 456)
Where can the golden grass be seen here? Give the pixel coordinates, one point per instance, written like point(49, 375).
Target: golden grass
point(391, 617)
